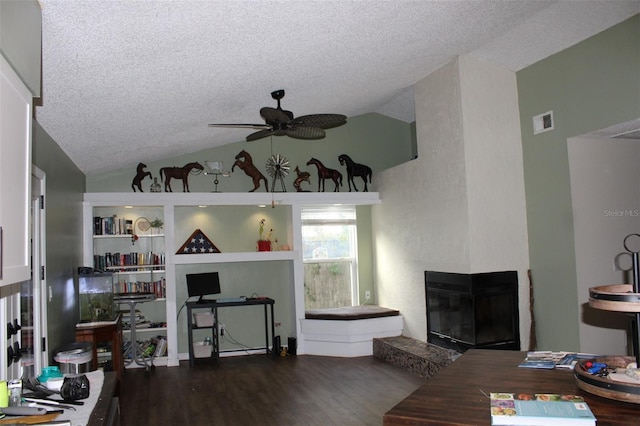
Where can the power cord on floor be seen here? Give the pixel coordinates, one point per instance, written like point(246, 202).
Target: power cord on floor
point(227, 337)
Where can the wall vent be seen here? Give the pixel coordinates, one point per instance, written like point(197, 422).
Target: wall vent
point(543, 122)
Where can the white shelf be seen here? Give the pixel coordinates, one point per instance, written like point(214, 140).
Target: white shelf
point(105, 236)
point(260, 256)
point(130, 270)
point(145, 330)
point(158, 299)
point(159, 361)
point(147, 199)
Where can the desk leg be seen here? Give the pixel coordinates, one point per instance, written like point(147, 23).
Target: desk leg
point(190, 333)
point(273, 325)
point(266, 330)
point(216, 336)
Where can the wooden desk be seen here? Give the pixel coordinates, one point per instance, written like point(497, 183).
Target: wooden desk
point(453, 397)
point(104, 332)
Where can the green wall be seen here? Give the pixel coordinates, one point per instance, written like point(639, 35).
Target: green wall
point(65, 185)
point(592, 85)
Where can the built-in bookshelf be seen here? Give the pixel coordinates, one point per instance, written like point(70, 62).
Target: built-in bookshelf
point(126, 245)
point(232, 228)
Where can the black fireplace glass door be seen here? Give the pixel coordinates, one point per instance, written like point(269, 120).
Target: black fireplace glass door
point(451, 315)
point(494, 318)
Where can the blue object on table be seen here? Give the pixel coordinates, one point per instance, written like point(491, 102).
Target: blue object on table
point(52, 372)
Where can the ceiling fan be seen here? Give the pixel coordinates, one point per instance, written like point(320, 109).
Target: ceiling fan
point(279, 122)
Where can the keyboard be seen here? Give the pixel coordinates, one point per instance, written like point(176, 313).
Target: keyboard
point(231, 299)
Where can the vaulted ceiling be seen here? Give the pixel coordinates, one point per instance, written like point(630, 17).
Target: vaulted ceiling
point(129, 81)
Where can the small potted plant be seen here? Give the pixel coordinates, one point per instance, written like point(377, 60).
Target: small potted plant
point(156, 223)
point(263, 243)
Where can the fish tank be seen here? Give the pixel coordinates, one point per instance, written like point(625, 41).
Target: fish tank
point(96, 297)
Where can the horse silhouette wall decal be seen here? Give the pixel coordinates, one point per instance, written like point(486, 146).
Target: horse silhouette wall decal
point(302, 177)
point(245, 163)
point(139, 177)
point(354, 169)
point(181, 173)
point(326, 173)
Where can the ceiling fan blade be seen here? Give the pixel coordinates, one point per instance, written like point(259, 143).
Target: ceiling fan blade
point(259, 135)
point(274, 115)
point(323, 121)
point(302, 132)
point(242, 126)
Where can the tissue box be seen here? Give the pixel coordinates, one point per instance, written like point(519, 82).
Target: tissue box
point(200, 350)
point(203, 319)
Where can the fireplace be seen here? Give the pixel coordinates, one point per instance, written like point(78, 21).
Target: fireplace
point(466, 311)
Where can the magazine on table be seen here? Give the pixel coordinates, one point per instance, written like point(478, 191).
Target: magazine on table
point(550, 359)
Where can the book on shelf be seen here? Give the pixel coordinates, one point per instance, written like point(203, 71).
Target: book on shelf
point(112, 225)
point(161, 346)
point(550, 360)
point(129, 261)
point(541, 409)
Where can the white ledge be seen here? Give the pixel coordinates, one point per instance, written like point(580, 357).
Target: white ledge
point(230, 198)
point(264, 256)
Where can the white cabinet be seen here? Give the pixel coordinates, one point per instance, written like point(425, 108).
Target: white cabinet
point(15, 176)
point(232, 220)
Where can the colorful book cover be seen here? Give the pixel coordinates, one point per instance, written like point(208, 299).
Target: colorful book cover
point(540, 410)
point(550, 360)
point(541, 359)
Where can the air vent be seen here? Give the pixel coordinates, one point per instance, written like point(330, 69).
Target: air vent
point(543, 122)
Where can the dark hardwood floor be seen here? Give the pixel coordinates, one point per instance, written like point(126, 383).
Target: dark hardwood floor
point(261, 390)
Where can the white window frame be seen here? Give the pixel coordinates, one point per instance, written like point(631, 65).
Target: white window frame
point(331, 215)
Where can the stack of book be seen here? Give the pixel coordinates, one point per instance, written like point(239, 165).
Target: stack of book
point(550, 360)
point(540, 410)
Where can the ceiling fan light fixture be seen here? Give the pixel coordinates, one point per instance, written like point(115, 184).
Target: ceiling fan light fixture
point(279, 122)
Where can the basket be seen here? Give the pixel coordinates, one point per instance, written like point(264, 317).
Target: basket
point(203, 319)
point(200, 350)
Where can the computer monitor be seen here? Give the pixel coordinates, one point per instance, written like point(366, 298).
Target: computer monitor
point(203, 284)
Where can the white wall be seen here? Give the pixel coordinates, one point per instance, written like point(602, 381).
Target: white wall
point(461, 202)
point(606, 205)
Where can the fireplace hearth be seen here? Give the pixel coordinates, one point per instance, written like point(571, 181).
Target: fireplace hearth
point(466, 311)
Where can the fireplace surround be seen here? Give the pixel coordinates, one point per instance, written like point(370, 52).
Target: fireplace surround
point(466, 311)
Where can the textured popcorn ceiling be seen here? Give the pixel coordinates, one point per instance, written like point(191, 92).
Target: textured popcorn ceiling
point(135, 80)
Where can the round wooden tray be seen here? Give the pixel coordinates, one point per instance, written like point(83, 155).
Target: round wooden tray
point(605, 386)
point(615, 297)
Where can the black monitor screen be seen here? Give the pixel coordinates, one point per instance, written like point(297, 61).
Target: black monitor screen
point(199, 285)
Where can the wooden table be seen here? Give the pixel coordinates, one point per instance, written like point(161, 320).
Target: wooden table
point(109, 331)
point(454, 396)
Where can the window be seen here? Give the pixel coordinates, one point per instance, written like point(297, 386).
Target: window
point(330, 257)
